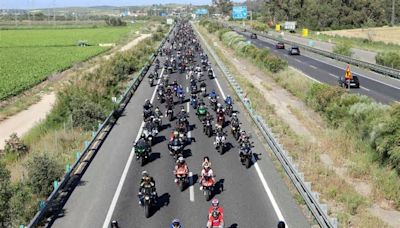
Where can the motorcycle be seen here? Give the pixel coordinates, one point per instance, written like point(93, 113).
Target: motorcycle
point(160, 96)
point(235, 130)
point(176, 148)
point(207, 187)
point(207, 128)
point(246, 154)
point(150, 135)
point(170, 113)
point(221, 120)
point(142, 152)
point(220, 143)
point(181, 98)
point(213, 103)
point(158, 122)
point(210, 74)
point(146, 113)
point(203, 91)
point(229, 110)
point(193, 102)
point(201, 112)
point(147, 198)
point(182, 178)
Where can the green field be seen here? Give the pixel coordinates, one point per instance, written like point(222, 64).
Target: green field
point(28, 56)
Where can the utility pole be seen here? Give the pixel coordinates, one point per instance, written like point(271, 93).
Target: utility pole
point(393, 13)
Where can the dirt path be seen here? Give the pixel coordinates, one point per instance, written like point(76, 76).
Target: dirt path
point(23, 121)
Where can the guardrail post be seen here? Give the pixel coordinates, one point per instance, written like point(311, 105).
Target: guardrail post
point(77, 155)
point(42, 204)
point(93, 134)
point(67, 168)
point(87, 143)
point(55, 184)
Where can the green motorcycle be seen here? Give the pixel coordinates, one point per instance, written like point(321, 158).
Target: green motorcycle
point(142, 152)
point(201, 111)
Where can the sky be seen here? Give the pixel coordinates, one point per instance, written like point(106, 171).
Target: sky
point(32, 4)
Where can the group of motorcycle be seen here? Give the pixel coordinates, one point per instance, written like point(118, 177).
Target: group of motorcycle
point(186, 47)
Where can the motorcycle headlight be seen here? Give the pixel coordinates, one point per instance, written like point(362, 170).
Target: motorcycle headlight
point(146, 197)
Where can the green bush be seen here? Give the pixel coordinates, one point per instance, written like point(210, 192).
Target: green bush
point(5, 196)
point(43, 170)
point(23, 206)
point(389, 59)
point(320, 95)
point(343, 49)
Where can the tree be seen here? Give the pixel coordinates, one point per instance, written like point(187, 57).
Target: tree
point(5, 196)
point(42, 171)
point(224, 6)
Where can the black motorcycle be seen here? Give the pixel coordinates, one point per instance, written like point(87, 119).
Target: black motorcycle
point(147, 199)
point(207, 127)
point(246, 154)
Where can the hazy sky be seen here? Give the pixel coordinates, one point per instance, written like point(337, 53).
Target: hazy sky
point(29, 4)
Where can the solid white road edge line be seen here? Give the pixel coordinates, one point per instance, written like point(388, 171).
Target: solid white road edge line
point(261, 176)
point(111, 209)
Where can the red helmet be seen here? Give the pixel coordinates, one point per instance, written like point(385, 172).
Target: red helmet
point(215, 202)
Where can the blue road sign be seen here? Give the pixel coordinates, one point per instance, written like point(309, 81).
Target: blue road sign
point(201, 11)
point(239, 12)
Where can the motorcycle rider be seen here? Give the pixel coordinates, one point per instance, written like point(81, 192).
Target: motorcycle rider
point(147, 180)
point(176, 224)
point(215, 220)
point(114, 224)
point(206, 172)
point(228, 100)
point(215, 206)
point(243, 137)
point(213, 94)
point(147, 108)
point(193, 97)
point(142, 142)
point(234, 120)
point(220, 109)
point(180, 166)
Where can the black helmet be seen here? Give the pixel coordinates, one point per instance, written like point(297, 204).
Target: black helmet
point(281, 224)
point(215, 213)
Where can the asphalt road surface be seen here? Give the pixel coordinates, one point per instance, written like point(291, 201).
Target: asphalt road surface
point(252, 198)
point(322, 71)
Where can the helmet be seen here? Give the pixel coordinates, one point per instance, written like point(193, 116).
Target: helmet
point(281, 224)
point(182, 108)
point(229, 96)
point(219, 105)
point(215, 213)
point(114, 224)
point(142, 135)
point(181, 160)
point(215, 202)
point(176, 222)
point(145, 173)
point(206, 165)
point(234, 114)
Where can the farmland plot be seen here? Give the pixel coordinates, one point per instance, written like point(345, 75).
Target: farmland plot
point(28, 57)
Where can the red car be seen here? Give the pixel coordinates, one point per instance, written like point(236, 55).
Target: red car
point(280, 45)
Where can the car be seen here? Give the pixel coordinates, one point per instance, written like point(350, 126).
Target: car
point(253, 36)
point(280, 45)
point(354, 82)
point(294, 50)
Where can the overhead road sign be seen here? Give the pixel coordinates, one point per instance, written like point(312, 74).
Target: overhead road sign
point(239, 12)
point(201, 11)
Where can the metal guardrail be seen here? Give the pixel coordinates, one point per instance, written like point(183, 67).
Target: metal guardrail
point(374, 67)
point(319, 211)
point(74, 174)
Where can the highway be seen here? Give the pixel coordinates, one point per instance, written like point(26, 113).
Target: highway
point(381, 89)
point(254, 197)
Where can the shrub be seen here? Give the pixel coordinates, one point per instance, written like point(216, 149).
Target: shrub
point(42, 171)
point(343, 49)
point(389, 59)
point(5, 195)
point(15, 145)
point(320, 95)
point(23, 206)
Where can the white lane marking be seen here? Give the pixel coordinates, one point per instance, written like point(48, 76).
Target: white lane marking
point(111, 209)
point(362, 87)
point(191, 187)
point(261, 176)
point(269, 193)
point(220, 89)
point(187, 89)
point(300, 72)
point(188, 105)
point(314, 67)
point(333, 75)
